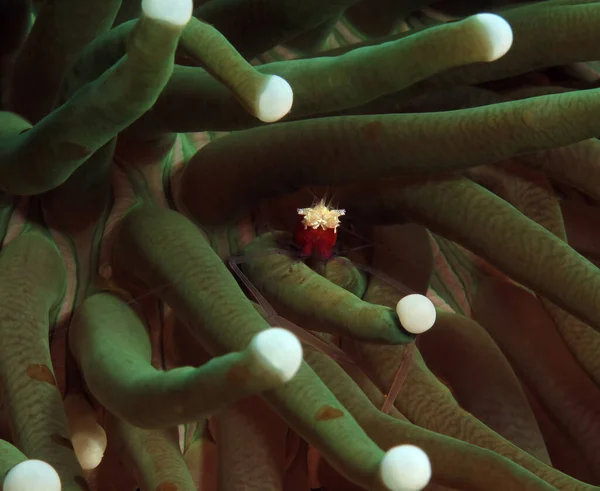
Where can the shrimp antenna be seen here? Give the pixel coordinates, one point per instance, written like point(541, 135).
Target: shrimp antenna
point(333, 202)
point(314, 195)
point(317, 199)
point(325, 196)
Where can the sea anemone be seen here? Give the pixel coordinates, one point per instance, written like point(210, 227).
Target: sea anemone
point(159, 330)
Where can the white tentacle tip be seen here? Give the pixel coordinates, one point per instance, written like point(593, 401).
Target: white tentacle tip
point(32, 475)
point(497, 32)
point(280, 351)
point(416, 313)
point(275, 100)
point(176, 12)
point(90, 447)
point(405, 468)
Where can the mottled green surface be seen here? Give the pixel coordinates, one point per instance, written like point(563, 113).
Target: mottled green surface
point(143, 176)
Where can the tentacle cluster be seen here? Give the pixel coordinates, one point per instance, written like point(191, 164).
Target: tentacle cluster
point(157, 328)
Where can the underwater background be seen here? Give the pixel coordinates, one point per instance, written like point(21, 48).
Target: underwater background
point(159, 172)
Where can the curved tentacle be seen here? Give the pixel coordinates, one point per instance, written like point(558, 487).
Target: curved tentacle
point(61, 31)
point(33, 275)
point(135, 391)
point(39, 158)
point(154, 456)
point(195, 282)
point(241, 169)
point(307, 293)
point(454, 205)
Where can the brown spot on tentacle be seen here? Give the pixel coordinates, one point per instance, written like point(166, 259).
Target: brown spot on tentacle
point(166, 486)
point(238, 376)
point(41, 373)
point(327, 413)
point(372, 131)
point(73, 151)
point(62, 441)
point(82, 483)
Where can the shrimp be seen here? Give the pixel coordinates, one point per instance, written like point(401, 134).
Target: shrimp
point(316, 233)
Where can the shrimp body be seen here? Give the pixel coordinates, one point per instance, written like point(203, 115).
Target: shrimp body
point(316, 243)
point(316, 232)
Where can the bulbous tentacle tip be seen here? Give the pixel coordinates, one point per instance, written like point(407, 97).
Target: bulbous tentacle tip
point(88, 437)
point(176, 12)
point(90, 447)
point(416, 313)
point(497, 32)
point(405, 468)
point(32, 475)
point(280, 351)
point(275, 101)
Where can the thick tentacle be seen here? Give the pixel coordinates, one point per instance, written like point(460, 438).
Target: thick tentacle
point(251, 446)
point(565, 454)
point(340, 271)
point(300, 289)
point(201, 458)
point(576, 165)
point(326, 84)
point(333, 83)
point(240, 169)
point(267, 97)
point(543, 360)
point(165, 252)
point(61, 30)
point(482, 380)
point(117, 369)
point(44, 157)
point(538, 42)
point(517, 245)
point(153, 454)
point(466, 472)
point(428, 403)
point(88, 437)
point(29, 301)
point(532, 194)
